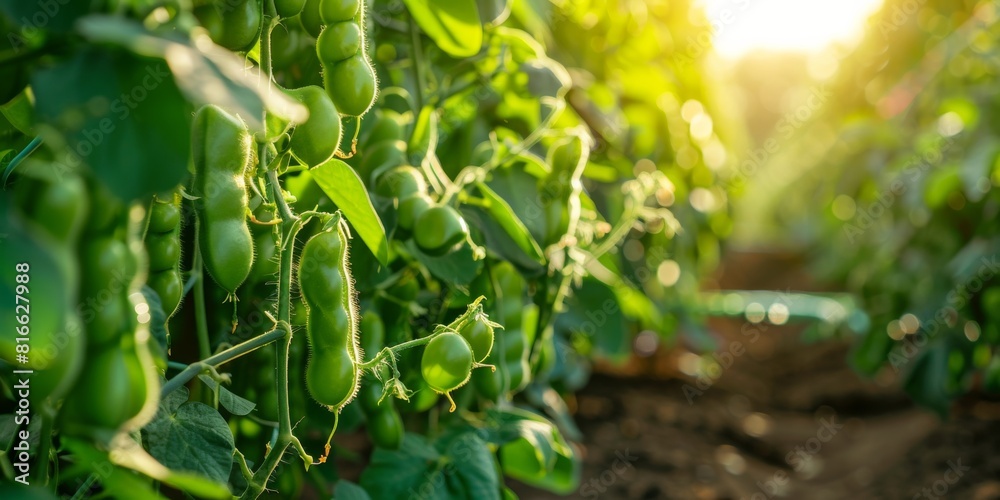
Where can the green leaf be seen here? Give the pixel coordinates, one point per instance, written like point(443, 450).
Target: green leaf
point(123, 116)
point(414, 469)
point(452, 24)
point(499, 241)
point(564, 478)
point(20, 111)
point(458, 465)
point(927, 381)
point(341, 183)
point(122, 483)
point(231, 402)
point(204, 72)
point(474, 474)
point(518, 185)
point(346, 490)
point(505, 216)
point(56, 16)
point(594, 311)
point(191, 436)
point(457, 268)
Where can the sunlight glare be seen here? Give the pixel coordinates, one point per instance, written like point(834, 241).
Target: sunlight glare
point(742, 26)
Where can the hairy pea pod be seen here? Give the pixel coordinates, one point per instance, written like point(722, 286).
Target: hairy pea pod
point(163, 246)
point(348, 74)
point(331, 324)
point(118, 389)
point(221, 147)
point(233, 24)
point(316, 140)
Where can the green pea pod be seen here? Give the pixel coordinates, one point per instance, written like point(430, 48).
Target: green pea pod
point(288, 8)
point(221, 149)
point(316, 140)
point(331, 324)
point(310, 18)
point(118, 388)
point(511, 350)
point(163, 246)
point(241, 23)
point(352, 85)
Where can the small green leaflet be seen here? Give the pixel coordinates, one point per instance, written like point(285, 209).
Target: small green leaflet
point(341, 183)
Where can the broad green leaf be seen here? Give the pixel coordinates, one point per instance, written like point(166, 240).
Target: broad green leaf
point(518, 185)
point(341, 183)
point(204, 72)
point(56, 16)
point(127, 454)
point(564, 478)
point(191, 436)
point(123, 116)
point(346, 490)
point(593, 310)
point(504, 215)
point(414, 469)
point(453, 24)
point(474, 471)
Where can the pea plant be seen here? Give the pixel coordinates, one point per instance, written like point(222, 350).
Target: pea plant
point(243, 229)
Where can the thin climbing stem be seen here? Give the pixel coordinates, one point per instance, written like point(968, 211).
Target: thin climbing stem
point(200, 314)
point(192, 370)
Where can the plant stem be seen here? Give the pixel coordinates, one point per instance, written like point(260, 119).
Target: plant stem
point(230, 354)
point(418, 65)
point(285, 438)
point(286, 212)
point(200, 314)
point(48, 420)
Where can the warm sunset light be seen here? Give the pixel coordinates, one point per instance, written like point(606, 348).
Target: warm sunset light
point(742, 26)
